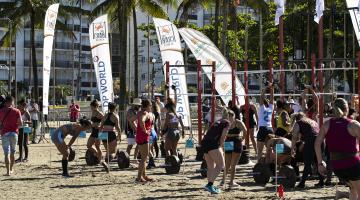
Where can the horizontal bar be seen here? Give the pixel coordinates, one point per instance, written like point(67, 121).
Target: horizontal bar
point(277, 95)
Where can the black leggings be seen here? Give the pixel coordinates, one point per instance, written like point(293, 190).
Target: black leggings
point(22, 141)
point(156, 148)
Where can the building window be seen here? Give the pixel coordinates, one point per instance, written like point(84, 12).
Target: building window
point(143, 43)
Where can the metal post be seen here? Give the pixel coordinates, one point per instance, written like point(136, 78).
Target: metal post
point(271, 78)
point(320, 47)
point(167, 78)
point(233, 85)
point(9, 71)
point(213, 98)
point(199, 100)
point(358, 73)
point(148, 51)
point(281, 56)
point(247, 106)
point(152, 80)
point(313, 64)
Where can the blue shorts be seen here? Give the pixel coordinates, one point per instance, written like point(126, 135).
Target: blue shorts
point(57, 137)
point(9, 141)
point(153, 136)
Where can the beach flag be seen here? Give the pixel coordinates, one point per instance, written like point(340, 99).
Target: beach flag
point(280, 10)
point(320, 7)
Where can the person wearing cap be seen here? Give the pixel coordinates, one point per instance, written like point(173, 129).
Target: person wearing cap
point(131, 122)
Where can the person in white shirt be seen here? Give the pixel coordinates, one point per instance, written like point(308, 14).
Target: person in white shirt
point(33, 109)
point(265, 117)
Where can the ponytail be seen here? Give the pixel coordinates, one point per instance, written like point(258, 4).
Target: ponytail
point(340, 107)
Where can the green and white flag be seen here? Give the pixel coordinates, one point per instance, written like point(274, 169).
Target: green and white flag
point(353, 7)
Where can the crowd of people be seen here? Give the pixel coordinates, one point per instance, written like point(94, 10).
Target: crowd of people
point(295, 126)
point(285, 122)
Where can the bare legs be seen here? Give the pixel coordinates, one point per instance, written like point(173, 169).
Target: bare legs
point(231, 160)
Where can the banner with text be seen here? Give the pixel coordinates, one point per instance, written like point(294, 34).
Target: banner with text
point(170, 47)
point(204, 50)
point(99, 43)
point(49, 30)
point(353, 6)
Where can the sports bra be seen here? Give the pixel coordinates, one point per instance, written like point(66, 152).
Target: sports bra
point(234, 131)
point(174, 119)
point(95, 120)
point(108, 121)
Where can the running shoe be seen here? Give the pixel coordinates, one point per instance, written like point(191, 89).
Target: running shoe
point(212, 189)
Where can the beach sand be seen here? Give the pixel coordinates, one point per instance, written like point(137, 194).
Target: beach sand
point(40, 178)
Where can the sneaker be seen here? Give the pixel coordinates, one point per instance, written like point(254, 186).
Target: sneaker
point(217, 189)
point(212, 189)
point(319, 185)
point(233, 185)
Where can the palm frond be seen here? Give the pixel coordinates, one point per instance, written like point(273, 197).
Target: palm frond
point(152, 8)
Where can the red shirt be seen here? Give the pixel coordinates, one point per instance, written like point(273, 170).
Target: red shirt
point(9, 120)
point(74, 114)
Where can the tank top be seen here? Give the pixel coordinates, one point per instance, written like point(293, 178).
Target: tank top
point(108, 121)
point(308, 129)
point(265, 115)
point(339, 140)
point(234, 131)
point(94, 119)
point(279, 122)
point(141, 136)
point(215, 131)
point(251, 115)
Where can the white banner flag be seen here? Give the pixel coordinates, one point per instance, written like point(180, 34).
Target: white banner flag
point(280, 10)
point(204, 50)
point(170, 47)
point(49, 30)
point(320, 7)
point(352, 5)
point(99, 42)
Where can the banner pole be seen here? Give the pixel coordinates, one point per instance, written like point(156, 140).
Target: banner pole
point(167, 79)
point(199, 100)
point(213, 98)
point(247, 106)
point(233, 85)
point(320, 47)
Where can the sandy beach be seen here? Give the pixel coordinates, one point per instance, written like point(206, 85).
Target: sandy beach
point(40, 178)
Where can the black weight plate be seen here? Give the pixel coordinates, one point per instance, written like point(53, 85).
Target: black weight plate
point(203, 169)
point(181, 157)
point(244, 158)
point(91, 158)
point(287, 176)
point(71, 155)
point(123, 160)
point(261, 173)
point(172, 164)
point(162, 149)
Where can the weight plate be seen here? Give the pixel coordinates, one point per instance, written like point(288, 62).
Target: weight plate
point(91, 158)
point(203, 169)
point(261, 173)
point(172, 164)
point(287, 176)
point(123, 160)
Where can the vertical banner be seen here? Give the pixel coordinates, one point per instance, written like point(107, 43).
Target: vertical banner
point(49, 30)
point(280, 10)
point(320, 7)
point(204, 50)
point(353, 6)
point(99, 43)
point(170, 47)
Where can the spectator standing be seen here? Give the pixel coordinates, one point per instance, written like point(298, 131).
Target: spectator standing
point(33, 109)
point(74, 110)
point(10, 122)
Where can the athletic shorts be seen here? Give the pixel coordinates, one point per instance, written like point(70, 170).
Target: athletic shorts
point(209, 145)
point(111, 136)
point(173, 134)
point(237, 145)
point(280, 132)
point(131, 141)
point(349, 174)
point(57, 136)
point(263, 132)
point(94, 133)
point(9, 141)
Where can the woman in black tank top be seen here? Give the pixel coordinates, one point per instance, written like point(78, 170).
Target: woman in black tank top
point(111, 125)
point(96, 117)
point(213, 153)
point(234, 138)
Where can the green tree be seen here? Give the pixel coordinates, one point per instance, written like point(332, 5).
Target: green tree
point(120, 11)
point(34, 10)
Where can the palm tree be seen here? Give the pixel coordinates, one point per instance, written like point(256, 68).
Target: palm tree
point(34, 10)
point(185, 7)
point(120, 11)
